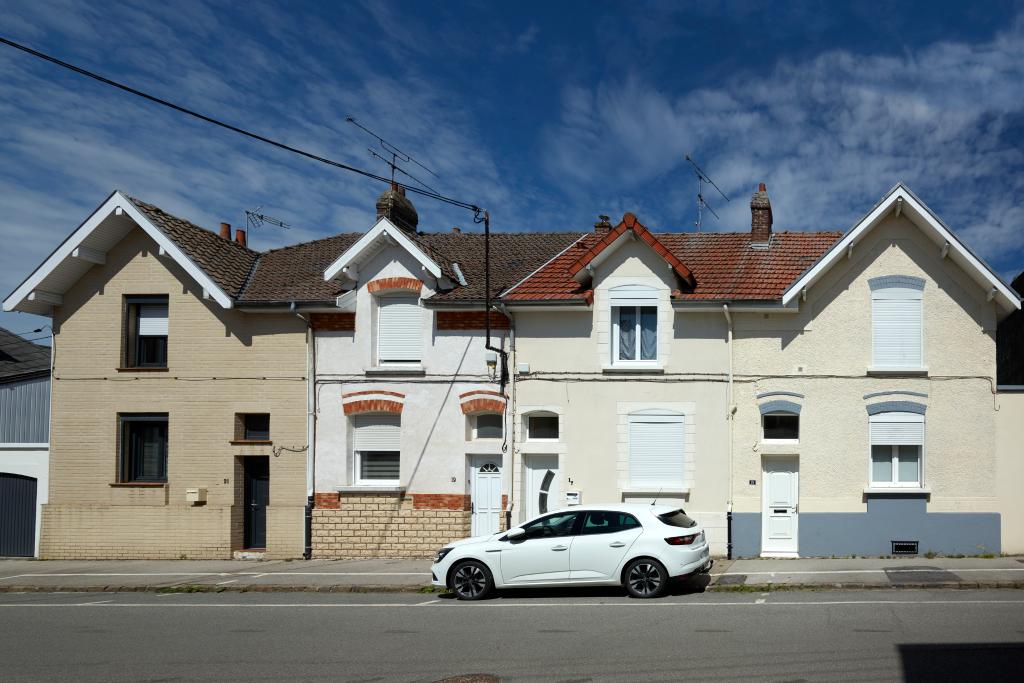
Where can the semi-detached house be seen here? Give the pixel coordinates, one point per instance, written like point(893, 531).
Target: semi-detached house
point(800, 393)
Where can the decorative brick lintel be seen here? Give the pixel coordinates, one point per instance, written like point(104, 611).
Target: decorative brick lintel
point(372, 406)
point(392, 283)
point(482, 405)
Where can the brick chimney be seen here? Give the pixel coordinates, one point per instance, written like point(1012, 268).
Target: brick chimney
point(240, 236)
point(760, 216)
point(456, 229)
point(396, 207)
point(602, 226)
point(225, 231)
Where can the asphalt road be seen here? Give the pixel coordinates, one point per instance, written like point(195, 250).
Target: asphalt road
point(562, 636)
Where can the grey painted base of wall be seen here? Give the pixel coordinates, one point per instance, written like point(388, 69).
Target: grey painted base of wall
point(889, 518)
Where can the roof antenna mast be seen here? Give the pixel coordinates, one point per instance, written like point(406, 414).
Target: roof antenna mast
point(397, 156)
point(701, 202)
point(256, 218)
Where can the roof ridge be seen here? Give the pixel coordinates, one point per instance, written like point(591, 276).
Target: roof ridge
point(296, 245)
point(211, 233)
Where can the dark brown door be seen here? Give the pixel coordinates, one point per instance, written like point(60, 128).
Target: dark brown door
point(257, 497)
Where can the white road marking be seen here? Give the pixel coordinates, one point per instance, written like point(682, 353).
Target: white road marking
point(223, 583)
point(255, 575)
point(333, 574)
point(878, 571)
point(520, 605)
point(759, 601)
point(429, 602)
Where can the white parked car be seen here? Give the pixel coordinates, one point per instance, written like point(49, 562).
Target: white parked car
point(641, 547)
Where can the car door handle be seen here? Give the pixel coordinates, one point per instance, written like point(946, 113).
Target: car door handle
point(616, 544)
point(559, 547)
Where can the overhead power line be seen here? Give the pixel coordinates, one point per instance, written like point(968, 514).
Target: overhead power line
point(241, 131)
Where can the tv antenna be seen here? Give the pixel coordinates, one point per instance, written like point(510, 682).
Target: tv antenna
point(256, 218)
point(702, 203)
point(397, 156)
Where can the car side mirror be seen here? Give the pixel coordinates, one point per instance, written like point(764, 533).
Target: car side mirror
point(516, 534)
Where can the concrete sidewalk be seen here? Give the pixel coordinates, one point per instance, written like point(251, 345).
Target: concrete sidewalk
point(414, 575)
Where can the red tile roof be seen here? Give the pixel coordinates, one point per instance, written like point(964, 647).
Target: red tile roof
point(724, 266)
point(630, 223)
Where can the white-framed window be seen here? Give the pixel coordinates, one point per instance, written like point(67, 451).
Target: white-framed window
point(897, 315)
point(376, 440)
point(542, 426)
point(399, 330)
point(634, 316)
point(780, 427)
point(897, 443)
point(488, 425)
point(657, 451)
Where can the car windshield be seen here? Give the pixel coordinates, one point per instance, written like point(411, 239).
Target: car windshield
point(678, 518)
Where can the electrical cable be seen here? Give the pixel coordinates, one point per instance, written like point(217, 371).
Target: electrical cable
point(241, 131)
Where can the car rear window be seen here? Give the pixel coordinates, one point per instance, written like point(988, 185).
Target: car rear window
point(677, 518)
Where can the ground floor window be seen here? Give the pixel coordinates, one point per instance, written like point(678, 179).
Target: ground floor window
point(897, 442)
point(656, 451)
point(376, 441)
point(144, 448)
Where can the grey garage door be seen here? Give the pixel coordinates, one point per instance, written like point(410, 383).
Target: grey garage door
point(17, 515)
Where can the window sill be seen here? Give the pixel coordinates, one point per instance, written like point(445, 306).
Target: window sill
point(632, 369)
point(142, 369)
point(395, 371)
point(896, 491)
point(138, 484)
point(250, 442)
point(891, 372)
point(370, 488)
point(656, 490)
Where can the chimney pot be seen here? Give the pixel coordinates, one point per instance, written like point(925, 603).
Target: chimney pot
point(760, 216)
point(240, 236)
point(602, 226)
point(456, 229)
point(225, 231)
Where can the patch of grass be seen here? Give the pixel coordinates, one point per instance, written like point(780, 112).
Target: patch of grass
point(931, 554)
point(987, 556)
point(185, 588)
point(432, 589)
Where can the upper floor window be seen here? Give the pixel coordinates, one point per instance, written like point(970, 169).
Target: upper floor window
point(897, 440)
point(399, 330)
point(144, 448)
point(897, 339)
point(145, 331)
point(634, 315)
point(488, 426)
point(542, 426)
point(376, 442)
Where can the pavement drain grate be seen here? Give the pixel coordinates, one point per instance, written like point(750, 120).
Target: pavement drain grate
point(732, 580)
point(470, 678)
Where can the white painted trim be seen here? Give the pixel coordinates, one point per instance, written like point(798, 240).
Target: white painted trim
point(24, 446)
point(916, 211)
point(387, 229)
point(115, 201)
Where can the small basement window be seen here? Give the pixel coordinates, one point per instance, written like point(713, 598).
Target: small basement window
point(780, 427)
point(542, 426)
point(252, 427)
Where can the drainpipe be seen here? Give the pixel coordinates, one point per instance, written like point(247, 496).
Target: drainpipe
point(731, 412)
point(307, 527)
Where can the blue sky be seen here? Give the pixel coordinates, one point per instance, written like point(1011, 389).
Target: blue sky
point(547, 113)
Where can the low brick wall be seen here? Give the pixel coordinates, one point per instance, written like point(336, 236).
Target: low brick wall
point(387, 524)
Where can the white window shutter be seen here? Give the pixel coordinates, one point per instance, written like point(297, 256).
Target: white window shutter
point(897, 333)
point(399, 329)
point(376, 432)
point(152, 320)
point(656, 451)
point(897, 429)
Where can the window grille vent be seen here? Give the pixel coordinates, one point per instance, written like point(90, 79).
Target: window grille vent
point(904, 547)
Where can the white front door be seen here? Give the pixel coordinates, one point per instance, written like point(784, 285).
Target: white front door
point(485, 494)
point(780, 497)
point(543, 491)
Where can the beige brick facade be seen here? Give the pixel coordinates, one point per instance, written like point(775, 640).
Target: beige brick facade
point(385, 525)
point(220, 362)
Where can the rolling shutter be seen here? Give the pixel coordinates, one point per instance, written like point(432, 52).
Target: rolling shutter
point(656, 451)
point(399, 329)
point(376, 432)
point(896, 327)
point(897, 429)
point(152, 320)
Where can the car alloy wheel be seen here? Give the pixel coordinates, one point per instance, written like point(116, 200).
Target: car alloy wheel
point(646, 579)
point(471, 581)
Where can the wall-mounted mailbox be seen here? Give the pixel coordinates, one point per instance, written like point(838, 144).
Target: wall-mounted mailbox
point(573, 498)
point(195, 496)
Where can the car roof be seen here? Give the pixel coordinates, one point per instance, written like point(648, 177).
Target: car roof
point(634, 508)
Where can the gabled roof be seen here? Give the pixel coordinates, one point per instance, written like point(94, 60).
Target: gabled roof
point(381, 234)
point(900, 200)
point(725, 266)
point(186, 244)
point(615, 237)
point(21, 358)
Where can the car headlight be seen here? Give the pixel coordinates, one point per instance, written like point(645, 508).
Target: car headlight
point(441, 554)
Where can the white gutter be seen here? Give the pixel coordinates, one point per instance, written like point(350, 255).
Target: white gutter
point(730, 414)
